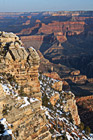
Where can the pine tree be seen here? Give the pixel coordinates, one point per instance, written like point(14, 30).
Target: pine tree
point(87, 130)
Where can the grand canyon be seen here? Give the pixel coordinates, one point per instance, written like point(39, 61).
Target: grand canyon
point(57, 46)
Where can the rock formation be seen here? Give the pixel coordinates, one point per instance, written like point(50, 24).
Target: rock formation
point(76, 72)
point(24, 113)
point(58, 86)
point(85, 108)
point(54, 98)
point(72, 107)
point(22, 64)
point(53, 75)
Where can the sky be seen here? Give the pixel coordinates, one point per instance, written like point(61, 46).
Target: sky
point(44, 5)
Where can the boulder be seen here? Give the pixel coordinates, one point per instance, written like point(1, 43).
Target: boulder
point(53, 75)
point(54, 98)
point(58, 86)
point(75, 73)
point(72, 107)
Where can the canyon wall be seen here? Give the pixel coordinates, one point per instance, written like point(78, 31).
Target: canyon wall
point(27, 119)
point(60, 30)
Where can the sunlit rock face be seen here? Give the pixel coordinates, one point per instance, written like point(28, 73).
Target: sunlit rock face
point(21, 106)
point(22, 64)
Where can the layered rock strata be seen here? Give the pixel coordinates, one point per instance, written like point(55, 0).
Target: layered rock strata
point(22, 64)
point(24, 113)
point(72, 107)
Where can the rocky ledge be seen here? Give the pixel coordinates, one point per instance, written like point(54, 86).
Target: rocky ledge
point(20, 96)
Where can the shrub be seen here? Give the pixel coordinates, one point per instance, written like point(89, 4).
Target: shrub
point(4, 112)
point(81, 126)
point(51, 130)
point(87, 130)
point(21, 91)
point(6, 109)
point(70, 117)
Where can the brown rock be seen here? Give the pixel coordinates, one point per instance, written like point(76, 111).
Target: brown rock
point(28, 120)
point(72, 107)
point(81, 79)
point(54, 98)
point(75, 73)
point(58, 86)
point(90, 80)
point(53, 75)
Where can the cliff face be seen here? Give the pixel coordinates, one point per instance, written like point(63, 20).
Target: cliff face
point(72, 107)
point(21, 105)
point(62, 27)
point(60, 30)
point(85, 106)
point(22, 64)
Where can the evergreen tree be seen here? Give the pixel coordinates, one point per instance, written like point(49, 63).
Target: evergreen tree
point(87, 130)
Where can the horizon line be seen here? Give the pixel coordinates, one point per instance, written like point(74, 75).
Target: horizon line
point(50, 11)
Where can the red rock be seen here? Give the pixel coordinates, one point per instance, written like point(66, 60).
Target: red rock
point(26, 23)
point(38, 21)
point(76, 72)
point(53, 75)
point(81, 79)
point(34, 37)
point(58, 86)
point(90, 80)
point(54, 99)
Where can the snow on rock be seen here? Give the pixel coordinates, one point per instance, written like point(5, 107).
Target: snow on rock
point(68, 136)
point(6, 89)
point(6, 130)
point(32, 48)
point(33, 100)
point(26, 102)
point(3, 121)
point(47, 114)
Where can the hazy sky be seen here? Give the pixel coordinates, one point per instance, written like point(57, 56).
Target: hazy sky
point(44, 5)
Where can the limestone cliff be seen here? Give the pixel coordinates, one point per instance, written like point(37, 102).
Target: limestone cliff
point(21, 103)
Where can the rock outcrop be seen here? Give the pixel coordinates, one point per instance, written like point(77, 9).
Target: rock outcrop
point(24, 113)
point(61, 102)
point(76, 72)
point(70, 27)
point(85, 108)
point(22, 64)
point(53, 75)
point(72, 107)
point(58, 86)
point(54, 98)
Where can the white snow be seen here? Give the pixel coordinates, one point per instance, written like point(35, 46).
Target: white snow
point(26, 102)
point(6, 89)
point(47, 114)
point(32, 48)
point(7, 132)
point(68, 136)
point(5, 123)
point(18, 98)
point(33, 100)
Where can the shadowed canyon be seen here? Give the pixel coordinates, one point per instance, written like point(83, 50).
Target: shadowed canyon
point(64, 43)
